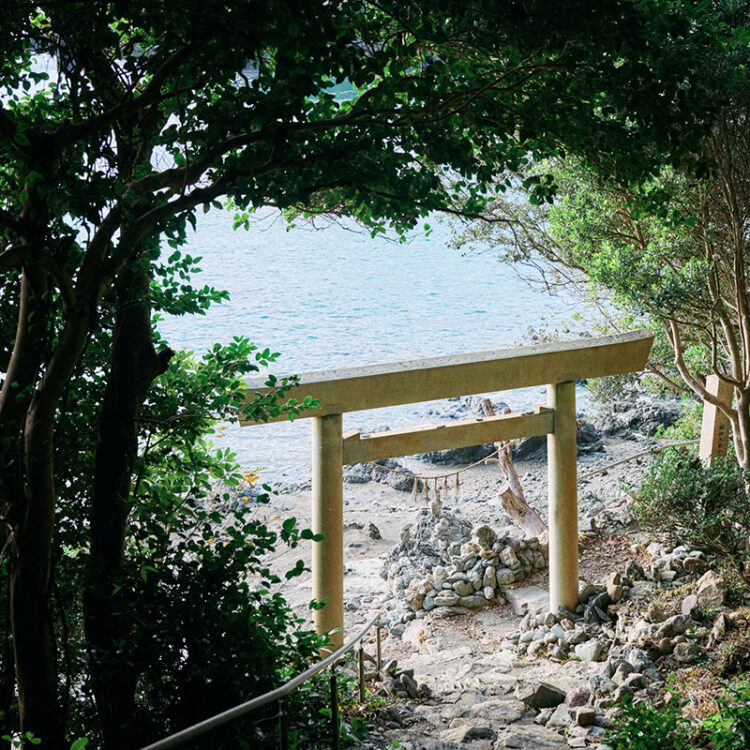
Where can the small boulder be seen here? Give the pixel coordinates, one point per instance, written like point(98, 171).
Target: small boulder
point(711, 589)
point(578, 697)
point(473, 602)
point(585, 716)
point(509, 558)
point(664, 646)
point(372, 531)
point(485, 537)
point(527, 599)
point(540, 695)
point(555, 652)
point(636, 681)
point(590, 650)
point(586, 591)
point(634, 571)
point(721, 625)
point(463, 588)
point(654, 613)
point(675, 625)
point(505, 577)
point(531, 736)
point(490, 577)
point(639, 659)
point(690, 606)
point(467, 733)
point(615, 588)
point(623, 671)
point(378, 471)
point(685, 652)
point(416, 592)
point(560, 718)
point(446, 599)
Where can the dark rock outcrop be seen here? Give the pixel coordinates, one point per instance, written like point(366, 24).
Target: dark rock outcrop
point(374, 472)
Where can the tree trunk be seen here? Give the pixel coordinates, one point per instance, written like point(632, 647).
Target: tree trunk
point(33, 638)
point(134, 366)
point(7, 665)
point(511, 495)
point(742, 440)
point(28, 507)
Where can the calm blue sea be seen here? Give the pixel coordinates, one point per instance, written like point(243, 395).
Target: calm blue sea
point(334, 297)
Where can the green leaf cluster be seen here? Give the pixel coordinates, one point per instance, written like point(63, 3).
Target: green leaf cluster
point(641, 726)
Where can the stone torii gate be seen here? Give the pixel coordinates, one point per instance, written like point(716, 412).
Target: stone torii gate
point(557, 366)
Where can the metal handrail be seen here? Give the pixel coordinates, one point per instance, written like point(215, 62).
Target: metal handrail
point(184, 735)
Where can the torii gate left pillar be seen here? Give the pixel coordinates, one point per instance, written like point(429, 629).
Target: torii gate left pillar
point(328, 520)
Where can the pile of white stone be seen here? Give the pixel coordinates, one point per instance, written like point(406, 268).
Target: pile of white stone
point(443, 561)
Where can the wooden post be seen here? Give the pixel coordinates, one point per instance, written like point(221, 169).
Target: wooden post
point(563, 500)
point(715, 425)
point(328, 520)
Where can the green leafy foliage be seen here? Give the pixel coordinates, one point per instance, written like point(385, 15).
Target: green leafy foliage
point(688, 426)
point(208, 633)
point(641, 726)
point(205, 623)
point(729, 729)
point(667, 250)
point(707, 507)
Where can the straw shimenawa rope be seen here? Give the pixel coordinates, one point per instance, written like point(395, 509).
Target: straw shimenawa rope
point(434, 478)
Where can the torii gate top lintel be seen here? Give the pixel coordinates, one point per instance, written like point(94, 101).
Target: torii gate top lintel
point(412, 381)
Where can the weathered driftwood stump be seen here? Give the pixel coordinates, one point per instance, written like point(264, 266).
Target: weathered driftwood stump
point(511, 495)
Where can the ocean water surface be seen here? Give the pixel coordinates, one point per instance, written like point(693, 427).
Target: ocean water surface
point(335, 297)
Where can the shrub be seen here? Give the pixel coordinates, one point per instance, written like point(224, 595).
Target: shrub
point(729, 729)
point(207, 633)
point(688, 426)
point(204, 624)
point(695, 505)
point(200, 619)
point(641, 726)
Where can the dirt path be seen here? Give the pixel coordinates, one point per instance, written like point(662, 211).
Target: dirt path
point(464, 660)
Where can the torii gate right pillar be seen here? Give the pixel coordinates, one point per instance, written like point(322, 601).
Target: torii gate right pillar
point(563, 498)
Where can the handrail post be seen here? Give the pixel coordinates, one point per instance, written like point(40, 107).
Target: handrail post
point(563, 499)
point(361, 672)
point(378, 658)
point(328, 520)
point(283, 726)
point(336, 738)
